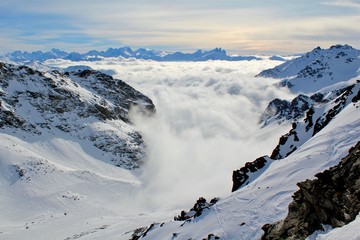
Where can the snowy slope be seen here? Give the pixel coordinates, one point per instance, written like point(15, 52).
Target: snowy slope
point(66, 149)
point(264, 200)
point(317, 69)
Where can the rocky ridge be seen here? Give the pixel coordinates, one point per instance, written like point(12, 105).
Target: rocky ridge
point(331, 199)
point(86, 105)
point(312, 115)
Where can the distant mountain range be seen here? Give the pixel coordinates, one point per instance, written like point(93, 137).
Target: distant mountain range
point(127, 52)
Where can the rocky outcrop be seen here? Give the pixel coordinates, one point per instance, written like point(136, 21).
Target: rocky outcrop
point(241, 176)
point(349, 93)
point(316, 118)
point(196, 211)
point(280, 110)
point(332, 199)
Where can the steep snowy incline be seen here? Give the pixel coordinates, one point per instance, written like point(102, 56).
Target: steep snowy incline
point(242, 214)
point(317, 69)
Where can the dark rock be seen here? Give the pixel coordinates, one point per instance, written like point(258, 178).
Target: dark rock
point(141, 232)
point(211, 236)
point(341, 102)
point(332, 199)
point(196, 211)
point(276, 154)
point(285, 110)
point(240, 176)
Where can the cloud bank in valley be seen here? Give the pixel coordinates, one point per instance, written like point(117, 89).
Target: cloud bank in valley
point(205, 127)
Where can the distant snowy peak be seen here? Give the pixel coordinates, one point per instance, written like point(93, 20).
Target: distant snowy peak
point(86, 105)
point(126, 52)
point(317, 69)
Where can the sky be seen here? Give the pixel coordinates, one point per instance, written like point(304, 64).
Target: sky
point(248, 27)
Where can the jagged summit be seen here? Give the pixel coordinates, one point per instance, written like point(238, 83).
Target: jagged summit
point(126, 52)
point(317, 69)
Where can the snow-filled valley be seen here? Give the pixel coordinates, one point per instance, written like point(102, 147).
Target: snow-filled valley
point(67, 179)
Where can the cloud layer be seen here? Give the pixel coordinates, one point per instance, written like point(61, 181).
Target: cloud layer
point(206, 124)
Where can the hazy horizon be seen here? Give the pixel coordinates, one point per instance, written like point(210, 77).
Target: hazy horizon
point(243, 27)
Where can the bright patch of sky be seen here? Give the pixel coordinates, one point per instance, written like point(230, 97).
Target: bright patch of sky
point(256, 26)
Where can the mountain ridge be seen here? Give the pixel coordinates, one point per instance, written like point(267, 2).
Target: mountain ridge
point(127, 52)
point(317, 69)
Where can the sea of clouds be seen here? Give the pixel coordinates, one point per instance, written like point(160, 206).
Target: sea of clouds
point(206, 124)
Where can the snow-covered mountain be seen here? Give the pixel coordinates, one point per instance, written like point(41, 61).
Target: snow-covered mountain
point(85, 105)
point(126, 52)
point(317, 69)
point(324, 126)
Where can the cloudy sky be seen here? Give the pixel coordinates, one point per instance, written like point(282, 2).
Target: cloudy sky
point(257, 26)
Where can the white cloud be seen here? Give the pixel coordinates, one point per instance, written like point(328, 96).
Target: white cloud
point(343, 3)
point(206, 124)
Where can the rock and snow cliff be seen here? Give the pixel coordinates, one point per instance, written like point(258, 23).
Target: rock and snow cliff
point(331, 199)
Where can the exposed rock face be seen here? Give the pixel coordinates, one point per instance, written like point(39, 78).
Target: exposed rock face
point(338, 105)
point(241, 176)
point(332, 199)
point(196, 210)
point(141, 232)
point(291, 136)
point(281, 110)
point(87, 105)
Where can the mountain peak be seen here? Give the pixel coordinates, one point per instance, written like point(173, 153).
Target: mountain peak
point(317, 69)
point(339, 46)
